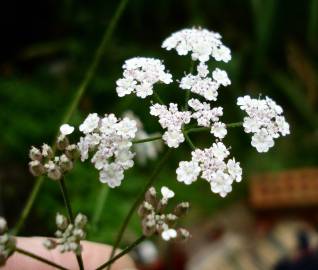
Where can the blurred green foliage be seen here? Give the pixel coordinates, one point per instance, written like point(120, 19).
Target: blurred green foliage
point(48, 46)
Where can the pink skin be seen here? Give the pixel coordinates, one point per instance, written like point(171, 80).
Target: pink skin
point(93, 255)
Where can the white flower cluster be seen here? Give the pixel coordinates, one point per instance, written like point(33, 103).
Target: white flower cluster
point(201, 43)
point(110, 139)
point(264, 120)
point(207, 117)
point(205, 86)
point(68, 235)
point(155, 221)
point(211, 163)
point(7, 242)
point(140, 74)
point(172, 119)
point(44, 161)
point(148, 150)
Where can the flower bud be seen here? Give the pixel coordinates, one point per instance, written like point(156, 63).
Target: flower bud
point(181, 209)
point(183, 234)
point(151, 197)
point(171, 219)
point(148, 227)
point(62, 142)
point(65, 163)
point(80, 221)
point(49, 244)
point(144, 209)
point(61, 221)
point(36, 168)
point(79, 234)
point(53, 171)
point(162, 205)
point(3, 225)
point(35, 154)
point(71, 151)
point(47, 151)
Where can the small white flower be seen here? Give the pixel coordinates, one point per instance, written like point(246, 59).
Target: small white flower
point(140, 74)
point(264, 120)
point(220, 76)
point(112, 174)
point(66, 129)
point(188, 172)
point(169, 234)
point(262, 141)
point(234, 169)
point(201, 43)
point(90, 123)
point(167, 193)
point(173, 138)
point(218, 129)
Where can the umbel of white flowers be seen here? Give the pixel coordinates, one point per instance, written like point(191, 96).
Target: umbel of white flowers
point(264, 119)
point(68, 235)
point(7, 242)
point(154, 220)
point(109, 140)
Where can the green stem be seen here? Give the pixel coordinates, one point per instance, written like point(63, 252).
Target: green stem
point(38, 258)
point(125, 251)
point(157, 97)
point(70, 215)
point(139, 199)
point(154, 138)
point(189, 140)
point(99, 206)
point(27, 208)
point(74, 103)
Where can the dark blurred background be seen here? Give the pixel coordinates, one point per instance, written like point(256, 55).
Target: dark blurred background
point(46, 47)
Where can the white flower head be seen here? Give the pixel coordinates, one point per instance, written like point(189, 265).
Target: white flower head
point(202, 44)
point(66, 129)
point(171, 119)
point(110, 140)
point(220, 76)
point(264, 119)
point(218, 129)
point(212, 165)
point(140, 75)
point(167, 193)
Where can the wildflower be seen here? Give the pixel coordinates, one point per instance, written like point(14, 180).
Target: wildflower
point(7, 242)
point(172, 119)
point(201, 43)
point(188, 172)
point(68, 235)
point(155, 221)
point(264, 120)
point(212, 165)
point(109, 139)
point(203, 85)
point(140, 75)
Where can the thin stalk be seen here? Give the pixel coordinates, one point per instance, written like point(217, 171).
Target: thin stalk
point(70, 215)
point(154, 138)
point(27, 208)
point(125, 251)
point(199, 129)
point(189, 140)
point(100, 202)
point(157, 97)
point(39, 258)
point(74, 103)
point(139, 199)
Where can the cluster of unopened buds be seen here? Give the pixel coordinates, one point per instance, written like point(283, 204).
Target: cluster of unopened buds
point(155, 220)
point(7, 242)
point(68, 235)
point(45, 162)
